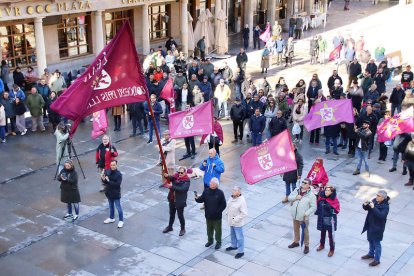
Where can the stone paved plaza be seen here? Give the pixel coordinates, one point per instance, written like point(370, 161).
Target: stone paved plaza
point(35, 240)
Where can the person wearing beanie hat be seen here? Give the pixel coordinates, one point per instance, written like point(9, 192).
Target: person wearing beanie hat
point(374, 225)
point(69, 191)
point(362, 145)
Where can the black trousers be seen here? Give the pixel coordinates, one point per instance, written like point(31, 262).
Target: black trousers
point(314, 135)
point(12, 124)
point(383, 150)
point(256, 41)
point(351, 146)
point(323, 237)
point(190, 145)
point(216, 146)
point(117, 121)
point(238, 125)
point(180, 214)
point(298, 33)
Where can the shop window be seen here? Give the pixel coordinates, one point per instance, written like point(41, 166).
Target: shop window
point(159, 21)
point(18, 45)
point(74, 36)
point(114, 21)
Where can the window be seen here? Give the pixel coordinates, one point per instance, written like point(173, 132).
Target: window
point(114, 20)
point(17, 44)
point(159, 18)
point(74, 36)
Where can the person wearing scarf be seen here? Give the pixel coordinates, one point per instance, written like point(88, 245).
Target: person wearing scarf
point(216, 139)
point(327, 210)
point(318, 176)
point(177, 198)
point(69, 191)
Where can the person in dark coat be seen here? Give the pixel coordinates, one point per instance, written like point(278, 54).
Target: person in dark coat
point(362, 145)
point(331, 80)
point(277, 124)
point(18, 78)
point(177, 198)
point(292, 177)
point(69, 191)
point(246, 34)
point(409, 160)
point(396, 99)
point(170, 44)
point(215, 203)
point(327, 211)
point(137, 114)
point(257, 126)
point(371, 68)
point(241, 60)
point(379, 79)
point(351, 134)
point(157, 109)
point(238, 114)
point(201, 45)
point(54, 117)
point(331, 135)
point(112, 180)
point(374, 225)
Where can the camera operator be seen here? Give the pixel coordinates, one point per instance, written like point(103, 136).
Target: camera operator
point(62, 136)
point(105, 153)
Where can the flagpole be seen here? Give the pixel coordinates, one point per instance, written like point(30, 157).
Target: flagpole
point(164, 165)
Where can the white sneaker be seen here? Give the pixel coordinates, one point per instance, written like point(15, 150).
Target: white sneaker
point(75, 217)
point(109, 220)
point(3, 141)
point(120, 224)
point(67, 216)
point(23, 132)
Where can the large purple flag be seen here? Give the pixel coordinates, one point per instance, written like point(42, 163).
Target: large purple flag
point(114, 78)
point(329, 113)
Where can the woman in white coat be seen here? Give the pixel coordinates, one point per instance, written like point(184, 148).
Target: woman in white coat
point(236, 213)
point(298, 117)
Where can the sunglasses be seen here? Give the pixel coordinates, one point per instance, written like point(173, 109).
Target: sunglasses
point(181, 172)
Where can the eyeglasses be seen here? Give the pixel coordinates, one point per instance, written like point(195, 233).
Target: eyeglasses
point(181, 172)
point(305, 182)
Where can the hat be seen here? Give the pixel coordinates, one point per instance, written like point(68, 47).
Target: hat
point(355, 81)
point(377, 105)
point(238, 99)
point(367, 122)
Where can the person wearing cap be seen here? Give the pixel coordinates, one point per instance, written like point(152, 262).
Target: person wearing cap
point(236, 214)
point(222, 95)
point(374, 225)
point(396, 98)
point(69, 191)
point(177, 197)
point(238, 114)
point(206, 89)
point(215, 203)
point(302, 206)
point(363, 145)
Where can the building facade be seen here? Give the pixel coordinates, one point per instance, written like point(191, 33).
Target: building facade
point(68, 34)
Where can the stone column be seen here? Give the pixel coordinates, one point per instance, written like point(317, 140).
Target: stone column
point(217, 7)
point(271, 6)
point(145, 30)
point(99, 33)
point(249, 11)
point(308, 6)
point(290, 10)
point(40, 45)
point(184, 26)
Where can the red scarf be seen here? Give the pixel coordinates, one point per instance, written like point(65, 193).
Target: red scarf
point(332, 200)
point(318, 174)
point(177, 179)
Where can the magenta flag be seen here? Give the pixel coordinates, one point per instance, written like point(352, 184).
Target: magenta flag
point(114, 78)
point(168, 94)
point(265, 36)
point(329, 113)
point(194, 121)
point(272, 157)
point(400, 123)
point(100, 124)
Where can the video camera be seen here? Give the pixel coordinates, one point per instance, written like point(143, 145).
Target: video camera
point(66, 128)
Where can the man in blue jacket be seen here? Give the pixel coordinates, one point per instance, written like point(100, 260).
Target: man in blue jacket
point(206, 89)
point(44, 90)
point(213, 166)
point(257, 126)
point(156, 107)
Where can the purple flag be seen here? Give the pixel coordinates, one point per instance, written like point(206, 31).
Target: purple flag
point(329, 113)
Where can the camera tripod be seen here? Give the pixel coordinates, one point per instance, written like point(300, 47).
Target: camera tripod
point(69, 144)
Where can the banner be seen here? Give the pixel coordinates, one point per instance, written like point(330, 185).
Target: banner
point(272, 157)
point(114, 78)
point(329, 113)
point(400, 123)
point(99, 124)
point(195, 121)
point(168, 94)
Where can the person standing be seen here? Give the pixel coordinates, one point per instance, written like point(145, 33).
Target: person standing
point(105, 154)
point(298, 28)
point(256, 37)
point(362, 145)
point(238, 115)
point(137, 113)
point(292, 177)
point(400, 144)
point(222, 94)
point(246, 34)
point(406, 77)
point(409, 160)
point(374, 225)
point(396, 99)
point(168, 146)
point(117, 112)
point(201, 45)
point(298, 117)
point(35, 103)
point(327, 211)
point(157, 109)
point(292, 25)
point(241, 60)
point(236, 213)
point(215, 203)
point(112, 180)
point(313, 50)
point(177, 198)
point(303, 205)
point(69, 191)
point(257, 126)
point(322, 46)
point(9, 110)
point(355, 70)
point(278, 124)
point(18, 98)
point(331, 134)
point(212, 167)
point(3, 124)
point(44, 90)
point(265, 59)
point(289, 52)
point(62, 135)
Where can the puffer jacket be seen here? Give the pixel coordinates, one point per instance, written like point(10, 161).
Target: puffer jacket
point(211, 171)
point(236, 211)
point(305, 206)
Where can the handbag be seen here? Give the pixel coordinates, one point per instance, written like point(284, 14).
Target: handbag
point(296, 129)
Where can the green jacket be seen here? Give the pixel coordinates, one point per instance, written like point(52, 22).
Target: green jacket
point(322, 44)
point(35, 104)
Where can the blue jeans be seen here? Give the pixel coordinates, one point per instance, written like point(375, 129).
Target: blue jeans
point(237, 238)
point(328, 144)
point(375, 249)
point(75, 206)
point(362, 155)
point(394, 107)
point(117, 203)
point(256, 138)
point(136, 122)
point(2, 132)
point(291, 30)
point(288, 187)
point(237, 87)
point(151, 128)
